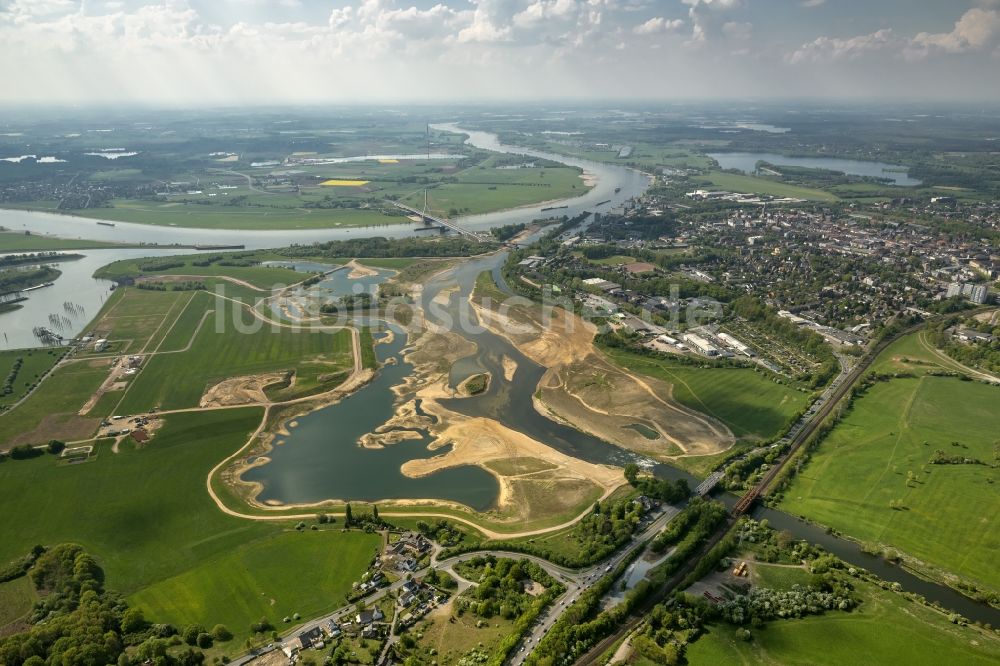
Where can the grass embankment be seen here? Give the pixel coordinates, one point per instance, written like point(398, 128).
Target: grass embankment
point(231, 345)
point(943, 514)
point(146, 516)
point(367, 343)
point(750, 403)
point(885, 629)
point(732, 182)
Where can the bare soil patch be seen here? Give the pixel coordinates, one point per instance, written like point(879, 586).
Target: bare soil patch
point(241, 390)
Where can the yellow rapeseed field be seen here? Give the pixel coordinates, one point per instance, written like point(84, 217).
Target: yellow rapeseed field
point(344, 183)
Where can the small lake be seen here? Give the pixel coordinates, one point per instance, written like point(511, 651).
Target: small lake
point(747, 163)
point(321, 458)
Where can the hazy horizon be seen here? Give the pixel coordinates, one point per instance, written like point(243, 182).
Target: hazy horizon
point(349, 52)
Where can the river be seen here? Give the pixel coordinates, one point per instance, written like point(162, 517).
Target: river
point(313, 462)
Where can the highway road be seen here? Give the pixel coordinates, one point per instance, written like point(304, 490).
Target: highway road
point(575, 580)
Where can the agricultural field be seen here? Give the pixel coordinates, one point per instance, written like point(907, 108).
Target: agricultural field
point(20, 375)
point(233, 344)
point(873, 479)
point(732, 182)
point(135, 320)
point(751, 404)
point(486, 189)
point(886, 628)
point(154, 532)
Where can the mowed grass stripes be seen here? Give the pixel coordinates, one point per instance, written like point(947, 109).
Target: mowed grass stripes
point(229, 344)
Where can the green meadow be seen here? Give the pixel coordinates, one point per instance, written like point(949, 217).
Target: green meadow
point(50, 412)
point(944, 515)
point(16, 599)
point(146, 516)
point(750, 403)
point(34, 364)
point(885, 629)
point(752, 185)
point(231, 343)
point(219, 216)
point(288, 572)
point(477, 191)
point(11, 241)
point(262, 277)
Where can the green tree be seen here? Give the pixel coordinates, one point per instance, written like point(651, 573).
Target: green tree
point(132, 620)
point(190, 633)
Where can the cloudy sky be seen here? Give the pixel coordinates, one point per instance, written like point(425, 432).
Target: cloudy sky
point(223, 52)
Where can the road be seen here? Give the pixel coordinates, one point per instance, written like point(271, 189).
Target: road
point(582, 580)
point(799, 433)
point(575, 580)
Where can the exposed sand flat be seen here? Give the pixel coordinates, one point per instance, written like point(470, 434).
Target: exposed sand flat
point(359, 270)
point(380, 440)
point(550, 338)
point(443, 297)
point(588, 392)
point(240, 390)
point(509, 367)
point(596, 396)
point(478, 440)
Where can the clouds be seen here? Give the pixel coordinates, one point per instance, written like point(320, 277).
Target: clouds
point(658, 26)
point(976, 31)
point(826, 49)
point(246, 51)
point(708, 17)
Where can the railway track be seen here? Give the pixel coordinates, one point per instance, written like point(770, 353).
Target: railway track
point(810, 427)
point(593, 656)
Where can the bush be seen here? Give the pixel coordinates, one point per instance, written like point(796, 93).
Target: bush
point(23, 452)
point(204, 640)
point(221, 633)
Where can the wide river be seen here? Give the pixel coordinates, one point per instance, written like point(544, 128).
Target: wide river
point(321, 458)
